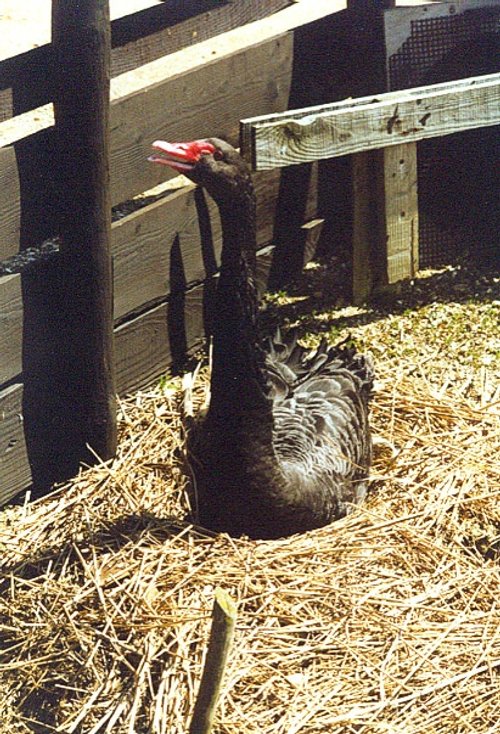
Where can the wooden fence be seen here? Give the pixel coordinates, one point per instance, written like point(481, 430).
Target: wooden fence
point(180, 71)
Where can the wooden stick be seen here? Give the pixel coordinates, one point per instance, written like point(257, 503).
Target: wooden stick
point(221, 637)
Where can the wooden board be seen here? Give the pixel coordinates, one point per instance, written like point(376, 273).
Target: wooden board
point(25, 81)
point(11, 327)
point(385, 235)
point(367, 124)
point(190, 98)
point(434, 44)
point(142, 350)
point(143, 242)
point(143, 246)
point(198, 91)
point(137, 39)
point(15, 473)
point(11, 207)
point(368, 224)
point(143, 37)
point(401, 212)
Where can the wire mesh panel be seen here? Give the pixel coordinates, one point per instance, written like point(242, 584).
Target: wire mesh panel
point(457, 175)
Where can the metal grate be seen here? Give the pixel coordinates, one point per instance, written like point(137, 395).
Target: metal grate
point(451, 192)
point(433, 39)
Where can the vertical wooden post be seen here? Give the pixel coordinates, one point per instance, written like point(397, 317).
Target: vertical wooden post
point(367, 195)
point(81, 45)
point(385, 212)
point(400, 213)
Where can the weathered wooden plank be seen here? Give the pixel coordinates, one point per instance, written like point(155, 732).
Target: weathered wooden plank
point(401, 211)
point(437, 44)
point(143, 37)
point(11, 327)
point(143, 353)
point(365, 124)
point(11, 208)
point(145, 348)
point(140, 245)
point(138, 38)
point(143, 242)
point(142, 350)
point(15, 473)
point(203, 99)
point(29, 182)
point(25, 81)
point(368, 214)
point(201, 91)
point(385, 219)
point(198, 91)
point(311, 232)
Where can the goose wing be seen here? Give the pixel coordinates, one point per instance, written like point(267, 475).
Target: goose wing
point(320, 409)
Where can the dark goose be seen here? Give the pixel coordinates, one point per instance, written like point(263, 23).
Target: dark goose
point(285, 445)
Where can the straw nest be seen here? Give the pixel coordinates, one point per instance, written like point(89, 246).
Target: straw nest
point(387, 621)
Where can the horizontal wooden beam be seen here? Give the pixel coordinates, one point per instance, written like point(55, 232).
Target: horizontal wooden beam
point(142, 37)
point(367, 123)
point(137, 38)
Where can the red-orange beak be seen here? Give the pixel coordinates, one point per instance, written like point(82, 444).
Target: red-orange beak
point(182, 157)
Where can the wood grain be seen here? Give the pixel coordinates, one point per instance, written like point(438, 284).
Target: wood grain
point(82, 47)
point(186, 224)
point(15, 473)
point(143, 37)
point(197, 91)
point(401, 212)
point(138, 38)
point(365, 124)
point(368, 223)
point(143, 244)
point(142, 350)
point(11, 327)
point(11, 208)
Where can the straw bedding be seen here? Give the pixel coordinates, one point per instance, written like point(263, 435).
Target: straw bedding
point(387, 622)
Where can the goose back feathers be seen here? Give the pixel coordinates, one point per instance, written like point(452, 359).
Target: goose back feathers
point(285, 445)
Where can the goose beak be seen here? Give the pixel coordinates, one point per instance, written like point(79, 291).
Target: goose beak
point(182, 157)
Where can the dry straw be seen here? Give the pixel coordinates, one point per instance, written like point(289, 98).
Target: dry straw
point(386, 622)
